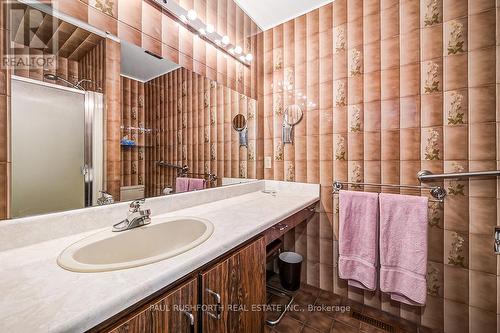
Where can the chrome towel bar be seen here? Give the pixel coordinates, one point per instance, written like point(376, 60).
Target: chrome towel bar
point(437, 192)
point(183, 168)
point(183, 171)
point(425, 175)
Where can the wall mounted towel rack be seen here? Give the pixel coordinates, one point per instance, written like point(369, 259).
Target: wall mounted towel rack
point(437, 192)
point(425, 175)
point(209, 176)
point(181, 169)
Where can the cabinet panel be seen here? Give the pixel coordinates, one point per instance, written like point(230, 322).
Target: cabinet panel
point(234, 287)
point(171, 314)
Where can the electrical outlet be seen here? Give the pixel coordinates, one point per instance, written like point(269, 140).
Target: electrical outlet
point(268, 162)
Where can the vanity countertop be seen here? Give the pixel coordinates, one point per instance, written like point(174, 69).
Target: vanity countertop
point(40, 296)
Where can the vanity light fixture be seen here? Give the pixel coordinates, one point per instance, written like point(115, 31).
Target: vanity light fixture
point(189, 20)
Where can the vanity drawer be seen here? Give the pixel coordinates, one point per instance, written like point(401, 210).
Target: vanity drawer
point(280, 228)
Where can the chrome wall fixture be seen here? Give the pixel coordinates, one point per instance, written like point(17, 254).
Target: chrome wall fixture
point(437, 192)
point(205, 30)
point(183, 171)
point(240, 126)
point(180, 169)
point(291, 117)
point(425, 175)
point(496, 245)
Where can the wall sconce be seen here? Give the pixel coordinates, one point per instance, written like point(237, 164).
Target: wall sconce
point(206, 31)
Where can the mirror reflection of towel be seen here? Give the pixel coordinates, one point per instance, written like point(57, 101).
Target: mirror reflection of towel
point(196, 184)
point(181, 184)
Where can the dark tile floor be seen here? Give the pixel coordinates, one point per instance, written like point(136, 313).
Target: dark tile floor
point(331, 313)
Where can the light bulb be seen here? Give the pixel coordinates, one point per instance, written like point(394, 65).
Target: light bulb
point(225, 40)
point(249, 57)
point(192, 15)
point(210, 28)
point(238, 49)
point(202, 32)
point(183, 18)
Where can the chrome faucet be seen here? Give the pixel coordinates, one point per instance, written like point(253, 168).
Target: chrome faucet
point(136, 217)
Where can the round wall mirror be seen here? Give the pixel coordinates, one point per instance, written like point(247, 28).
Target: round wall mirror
point(239, 122)
point(293, 115)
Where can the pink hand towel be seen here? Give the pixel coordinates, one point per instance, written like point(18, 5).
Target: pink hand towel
point(181, 184)
point(403, 247)
point(196, 184)
point(358, 221)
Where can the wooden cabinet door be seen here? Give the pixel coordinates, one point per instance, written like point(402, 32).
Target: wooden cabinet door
point(175, 313)
point(233, 290)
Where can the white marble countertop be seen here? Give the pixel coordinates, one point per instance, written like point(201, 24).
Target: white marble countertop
point(40, 296)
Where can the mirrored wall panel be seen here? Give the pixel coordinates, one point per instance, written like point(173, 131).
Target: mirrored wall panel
point(96, 120)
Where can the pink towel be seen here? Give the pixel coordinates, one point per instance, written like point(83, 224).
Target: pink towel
point(403, 247)
point(196, 184)
point(358, 238)
point(181, 184)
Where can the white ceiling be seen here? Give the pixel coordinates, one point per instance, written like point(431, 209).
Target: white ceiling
point(270, 13)
point(138, 65)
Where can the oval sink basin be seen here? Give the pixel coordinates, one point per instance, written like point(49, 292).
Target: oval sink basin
point(162, 239)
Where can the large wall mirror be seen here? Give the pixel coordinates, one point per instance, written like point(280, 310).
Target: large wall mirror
point(96, 120)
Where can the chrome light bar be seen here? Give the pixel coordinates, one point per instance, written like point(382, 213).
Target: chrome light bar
point(206, 31)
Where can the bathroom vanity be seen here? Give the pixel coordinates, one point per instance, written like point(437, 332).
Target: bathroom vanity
point(122, 119)
point(216, 286)
point(223, 297)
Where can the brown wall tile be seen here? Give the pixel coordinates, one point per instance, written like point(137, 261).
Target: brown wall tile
point(417, 92)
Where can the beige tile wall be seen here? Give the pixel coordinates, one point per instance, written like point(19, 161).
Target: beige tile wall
point(112, 99)
point(399, 86)
point(133, 125)
point(191, 118)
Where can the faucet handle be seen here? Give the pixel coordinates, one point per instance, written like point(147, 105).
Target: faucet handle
point(136, 205)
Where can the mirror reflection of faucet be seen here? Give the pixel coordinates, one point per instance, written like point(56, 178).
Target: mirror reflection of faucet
point(105, 198)
point(136, 217)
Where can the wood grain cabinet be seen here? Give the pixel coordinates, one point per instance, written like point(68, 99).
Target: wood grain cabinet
point(234, 291)
point(176, 312)
point(227, 295)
